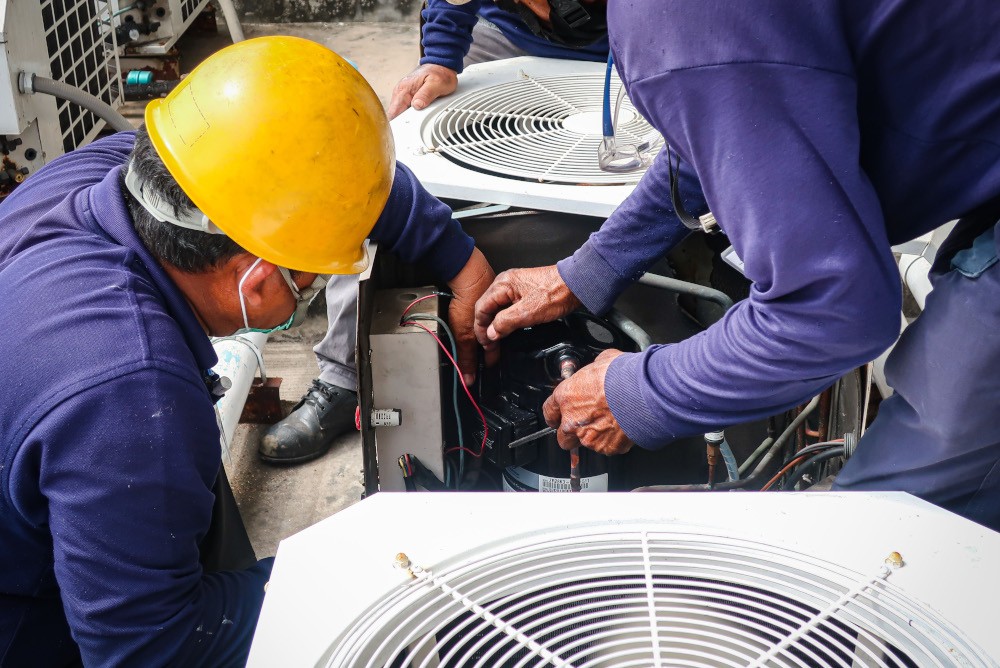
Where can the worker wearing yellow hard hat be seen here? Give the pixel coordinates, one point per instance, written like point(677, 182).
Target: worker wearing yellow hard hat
point(285, 147)
point(266, 169)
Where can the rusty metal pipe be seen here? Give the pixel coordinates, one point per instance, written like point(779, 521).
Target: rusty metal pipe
point(758, 472)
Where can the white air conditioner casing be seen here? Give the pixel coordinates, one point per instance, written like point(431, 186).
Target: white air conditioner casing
point(522, 132)
point(698, 580)
point(66, 40)
point(173, 16)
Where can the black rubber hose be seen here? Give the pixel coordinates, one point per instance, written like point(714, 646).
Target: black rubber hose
point(795, 476)
point(812, 449)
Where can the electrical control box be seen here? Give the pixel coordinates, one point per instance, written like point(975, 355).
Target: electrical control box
point(405, 372)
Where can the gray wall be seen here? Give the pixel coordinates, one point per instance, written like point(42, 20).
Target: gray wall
point(268, 11)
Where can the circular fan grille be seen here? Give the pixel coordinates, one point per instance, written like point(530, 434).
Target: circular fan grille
point(545, 129)
point(626, 598)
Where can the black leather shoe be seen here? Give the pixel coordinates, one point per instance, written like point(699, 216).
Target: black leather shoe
point(325, 412)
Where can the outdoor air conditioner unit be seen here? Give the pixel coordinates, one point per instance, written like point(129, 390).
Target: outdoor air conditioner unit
point(67, 40)
point(523, 132)
point(152, 27)
point(634, 580)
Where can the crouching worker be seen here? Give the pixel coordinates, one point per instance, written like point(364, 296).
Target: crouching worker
point(263, 171)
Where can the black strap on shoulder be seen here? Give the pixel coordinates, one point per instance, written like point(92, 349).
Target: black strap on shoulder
point(572, 24)
point(706, 223)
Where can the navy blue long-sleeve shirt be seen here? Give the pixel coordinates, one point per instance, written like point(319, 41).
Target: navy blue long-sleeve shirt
point(447, 34)
point(822, 131)
point(108, 439)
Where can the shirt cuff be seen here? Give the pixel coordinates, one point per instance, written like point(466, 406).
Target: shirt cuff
point(450, 252)
point(623, 391)
point(592, 279)
point(450, 63)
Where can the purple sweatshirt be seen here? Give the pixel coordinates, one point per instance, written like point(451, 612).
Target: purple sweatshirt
point(822, 131)
point(108, 440)
point(447, 34)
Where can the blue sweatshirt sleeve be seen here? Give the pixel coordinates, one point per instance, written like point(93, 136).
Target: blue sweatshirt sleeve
point(636, 235)
point(447, 32)
point(766, 114)
point(126, 469)
point(418, 227)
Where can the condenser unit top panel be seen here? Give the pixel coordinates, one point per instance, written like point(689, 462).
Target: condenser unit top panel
point(524, 132)
point(652, 580)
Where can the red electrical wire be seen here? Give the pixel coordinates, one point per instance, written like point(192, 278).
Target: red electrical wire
point(482, 446)
point(792, 464)
point(788, 467)
point(414, 303)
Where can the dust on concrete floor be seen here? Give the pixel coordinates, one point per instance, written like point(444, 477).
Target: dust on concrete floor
point(277, 502)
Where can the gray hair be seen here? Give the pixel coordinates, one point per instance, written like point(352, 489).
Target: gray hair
point(191, 251)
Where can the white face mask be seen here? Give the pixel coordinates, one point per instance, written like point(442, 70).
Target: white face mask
point(303, 298)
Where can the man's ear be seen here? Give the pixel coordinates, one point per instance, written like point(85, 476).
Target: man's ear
point(254, 280)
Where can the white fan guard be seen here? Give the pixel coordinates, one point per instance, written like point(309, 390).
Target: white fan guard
point(544, 129)
point(524, 132)
point(627, 598)
point(542, 585)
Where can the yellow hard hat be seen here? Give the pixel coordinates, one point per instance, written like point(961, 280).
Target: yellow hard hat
point(285, 147)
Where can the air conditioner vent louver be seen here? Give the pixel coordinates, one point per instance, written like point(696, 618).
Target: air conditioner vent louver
point(81, 50)
point(188, 8)
point(544, 129)
point(628, 598)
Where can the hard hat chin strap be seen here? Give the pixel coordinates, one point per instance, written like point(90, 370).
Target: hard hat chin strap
point(164, 211)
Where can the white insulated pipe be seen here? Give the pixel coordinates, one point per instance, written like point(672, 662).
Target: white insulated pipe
point(232, 20)
point(240, 357)
point(915, 271)
point(915, 261)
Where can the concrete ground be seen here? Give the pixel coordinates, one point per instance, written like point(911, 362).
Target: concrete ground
point(277, 502)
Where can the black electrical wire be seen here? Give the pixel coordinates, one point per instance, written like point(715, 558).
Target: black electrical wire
point(796, 475)
point(812, 449)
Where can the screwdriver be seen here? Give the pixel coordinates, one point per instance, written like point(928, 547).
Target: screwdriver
point(531, 437)
point(568, 365)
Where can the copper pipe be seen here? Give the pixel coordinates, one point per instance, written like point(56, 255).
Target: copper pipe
point(825, 411)
point(800, 433)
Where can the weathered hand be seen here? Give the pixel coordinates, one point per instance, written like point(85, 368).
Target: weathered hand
point(522, 298)
point(467, 287)
point(580, 410)
point(421, 87)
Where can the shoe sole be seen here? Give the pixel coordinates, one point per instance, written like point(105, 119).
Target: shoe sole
point(290, 460)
